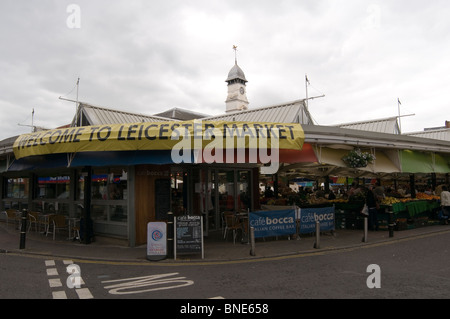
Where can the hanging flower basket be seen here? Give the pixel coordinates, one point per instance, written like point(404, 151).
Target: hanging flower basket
point(358, 159)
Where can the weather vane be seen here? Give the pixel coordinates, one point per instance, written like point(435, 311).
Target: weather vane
point(235, 53)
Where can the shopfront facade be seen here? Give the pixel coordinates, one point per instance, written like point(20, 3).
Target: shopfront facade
point(134, 178)
point(61, 191)
point(125, 184)
point(125, 198)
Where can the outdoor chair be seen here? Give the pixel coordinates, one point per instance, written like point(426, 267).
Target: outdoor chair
point(224, 223)
point(33, 218)
point(56, 222)
point(76, 231)
point(232, 224)
point(12, 215)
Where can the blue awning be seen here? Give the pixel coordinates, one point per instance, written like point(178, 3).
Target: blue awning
point(112, 158)
point(30, 163)
point(125, 158)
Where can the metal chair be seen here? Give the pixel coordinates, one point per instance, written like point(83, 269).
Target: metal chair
point(12, 215)
point(33, 218)
point(56, 222)
point(233, 224)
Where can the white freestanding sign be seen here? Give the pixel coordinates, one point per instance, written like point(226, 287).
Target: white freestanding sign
point(156, 240)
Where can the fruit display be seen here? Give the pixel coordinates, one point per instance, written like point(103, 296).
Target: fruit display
point(426, 196)
point(338, 200)
point(390, 201)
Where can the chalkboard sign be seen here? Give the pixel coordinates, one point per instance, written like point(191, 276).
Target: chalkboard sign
point(162, 198)
point(188, 235)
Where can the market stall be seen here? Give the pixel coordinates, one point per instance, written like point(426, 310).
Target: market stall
point(411, 212)
point(408, 212)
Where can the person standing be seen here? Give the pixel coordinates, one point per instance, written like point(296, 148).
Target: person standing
point(445, 202)
point(372, 204)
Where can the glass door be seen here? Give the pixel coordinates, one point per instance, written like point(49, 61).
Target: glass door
point(243, 191)
point(226, 187)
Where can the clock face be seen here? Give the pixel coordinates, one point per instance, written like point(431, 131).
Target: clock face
point(242, 90)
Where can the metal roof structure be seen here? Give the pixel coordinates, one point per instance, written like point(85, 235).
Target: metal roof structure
point(386, 125)
point(96, 115)
point(336, 137)
point(181, 114)
point(291, 112)
point(330, 142)
point(442, 134)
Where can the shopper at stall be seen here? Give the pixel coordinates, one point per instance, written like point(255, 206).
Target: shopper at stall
point(372, 204)
point(379, 192)
point(445, 202)
point(355, 190)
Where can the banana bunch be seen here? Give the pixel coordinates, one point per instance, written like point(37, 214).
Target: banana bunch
point(390, 201)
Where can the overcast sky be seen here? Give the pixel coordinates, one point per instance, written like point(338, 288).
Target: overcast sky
point(149, 56)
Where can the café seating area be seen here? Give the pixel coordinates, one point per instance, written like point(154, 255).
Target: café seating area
point(57, 225)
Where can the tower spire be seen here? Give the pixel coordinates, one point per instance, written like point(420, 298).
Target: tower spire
point(237, 97)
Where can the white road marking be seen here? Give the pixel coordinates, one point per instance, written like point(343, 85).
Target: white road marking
point(133, 285)
point(52, 272)
point(55, 282)
point(49, 263)
point(84, 293)
point(59, 295)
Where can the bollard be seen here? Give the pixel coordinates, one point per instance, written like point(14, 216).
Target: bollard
point(317, 243)
point(170, 235)
point(366, 226)
point(391, 224)
point(252, 241)
point(23, 229)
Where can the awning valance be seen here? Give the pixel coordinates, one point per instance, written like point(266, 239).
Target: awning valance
point(186, 135)
point(423, 162)
point(385, 161)
point(162, 143)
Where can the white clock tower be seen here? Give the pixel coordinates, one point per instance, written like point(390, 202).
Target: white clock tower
point(237, 95)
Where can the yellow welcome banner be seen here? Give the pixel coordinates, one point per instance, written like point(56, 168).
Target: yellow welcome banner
point(160, 136)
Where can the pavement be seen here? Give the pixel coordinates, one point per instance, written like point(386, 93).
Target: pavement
point(216, 248)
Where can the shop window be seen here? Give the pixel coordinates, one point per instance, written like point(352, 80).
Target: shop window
point(80, 187)
point(54, 187)
point(226, 190)
point(118, 213)
point(17, 188)
point(99, 213)
point(244, 190)
point(109, 194)
point(177, 179)
point(15, 193)
point(110, 184)
point(15, 205)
